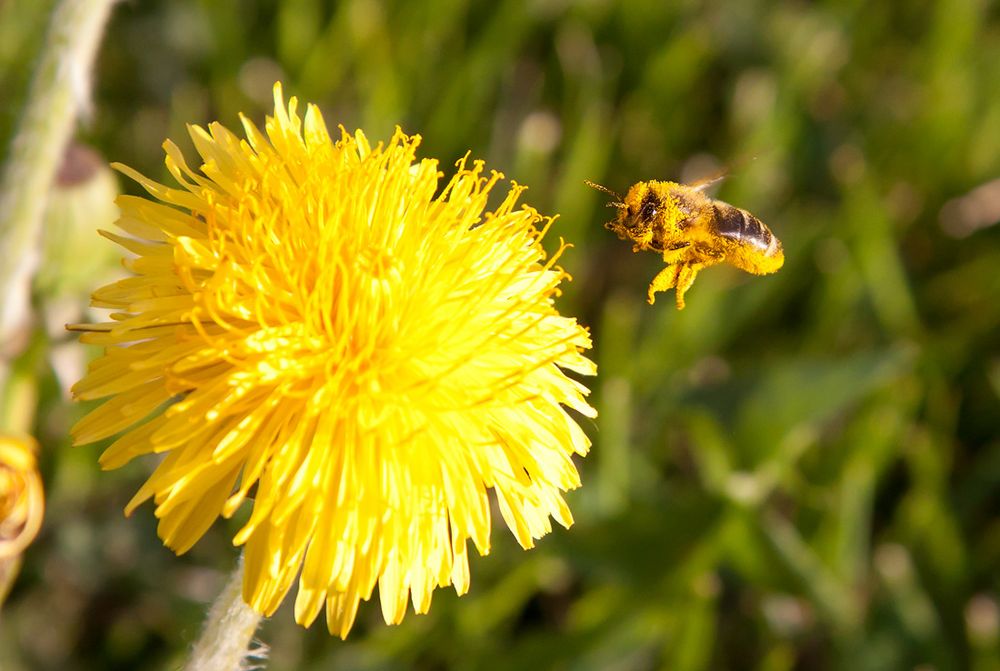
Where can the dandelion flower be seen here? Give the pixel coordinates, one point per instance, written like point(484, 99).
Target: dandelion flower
point(22, 503)
point(360, 352)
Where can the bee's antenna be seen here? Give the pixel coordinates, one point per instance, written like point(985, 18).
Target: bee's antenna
point(619, 202)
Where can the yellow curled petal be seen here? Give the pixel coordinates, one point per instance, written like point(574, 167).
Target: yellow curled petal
point(22, 502)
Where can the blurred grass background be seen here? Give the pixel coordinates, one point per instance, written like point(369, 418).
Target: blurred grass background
point(796, 472)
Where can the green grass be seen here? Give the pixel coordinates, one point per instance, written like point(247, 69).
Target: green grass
point(796, 472)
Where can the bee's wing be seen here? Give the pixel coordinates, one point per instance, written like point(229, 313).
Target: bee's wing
point(718, 176)
point(705, 182)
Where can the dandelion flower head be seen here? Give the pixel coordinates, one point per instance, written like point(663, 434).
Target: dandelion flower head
point(320, 330)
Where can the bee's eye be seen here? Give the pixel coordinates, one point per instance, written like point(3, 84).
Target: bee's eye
point(649, 207)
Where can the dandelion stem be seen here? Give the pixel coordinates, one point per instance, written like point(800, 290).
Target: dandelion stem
point(57, 96)
point(225, 640)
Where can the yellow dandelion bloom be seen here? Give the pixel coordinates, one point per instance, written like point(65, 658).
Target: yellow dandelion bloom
point(22, 503)
point(360, 352)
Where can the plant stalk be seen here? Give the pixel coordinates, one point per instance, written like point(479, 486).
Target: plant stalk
point(56, 98)
point(225, 641)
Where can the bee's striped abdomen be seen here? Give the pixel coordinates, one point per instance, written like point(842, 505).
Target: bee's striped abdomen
point(736, 224)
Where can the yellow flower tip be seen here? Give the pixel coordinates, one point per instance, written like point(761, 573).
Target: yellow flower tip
point(22, 501)
point(278, 95)
point(368, 351)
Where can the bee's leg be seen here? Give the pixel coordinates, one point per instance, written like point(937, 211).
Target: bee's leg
point(664, 280)
point(641, 240)
point(675, 253)
point(685, 278)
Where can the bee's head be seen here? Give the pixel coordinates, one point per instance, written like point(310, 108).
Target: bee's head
point(642, 205)
point(648, 207)
point(644, 211)
point(633, 214)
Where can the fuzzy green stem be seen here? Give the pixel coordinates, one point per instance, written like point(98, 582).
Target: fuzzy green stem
point(57, 96)
point(225, 641)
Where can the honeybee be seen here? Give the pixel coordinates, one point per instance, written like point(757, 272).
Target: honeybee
point(692, 231)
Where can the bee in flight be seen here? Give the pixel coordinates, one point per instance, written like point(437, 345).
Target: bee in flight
point(691, 231)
